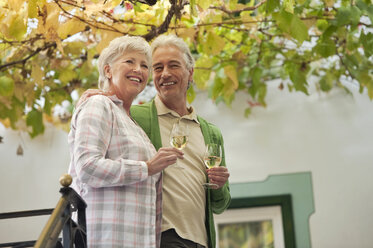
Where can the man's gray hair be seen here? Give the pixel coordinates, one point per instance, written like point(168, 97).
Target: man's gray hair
point(173, 40)
point(117, 48)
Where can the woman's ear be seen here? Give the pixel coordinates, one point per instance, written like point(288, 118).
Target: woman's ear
point(107, 71)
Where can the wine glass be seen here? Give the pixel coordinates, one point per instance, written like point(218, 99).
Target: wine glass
point(212, 158)
point(179, 138)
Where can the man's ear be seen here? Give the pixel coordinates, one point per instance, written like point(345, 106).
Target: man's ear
point(190, 78)
point(107, 71)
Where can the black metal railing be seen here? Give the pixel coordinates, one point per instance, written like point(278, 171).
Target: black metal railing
point(22, 214)
point(60, 221)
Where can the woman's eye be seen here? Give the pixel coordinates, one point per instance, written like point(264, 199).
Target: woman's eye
point(129, 61)
point(144, 66)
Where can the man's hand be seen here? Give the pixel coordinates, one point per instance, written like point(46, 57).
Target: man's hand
point(218, 175)
point(163, 158)
point(87, 94)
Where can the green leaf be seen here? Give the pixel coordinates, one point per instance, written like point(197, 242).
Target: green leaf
point(298, 29)
point(262, 92)
point(272, 5)
point(326, 82)
point(367, 41)
point(343, 16)
point(325, 48)
point(47, 105)
point(216, 88)
point(247, 112)
point(34, 119)
point(191, 94)
point(370, 13)
point(283, 20)
point(6, 86)
point(288, 5)
point(256, 74)
point(298, 78)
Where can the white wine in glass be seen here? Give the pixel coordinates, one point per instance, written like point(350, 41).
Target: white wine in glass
point(179, 138)
point(179, 142)
point(212, 158)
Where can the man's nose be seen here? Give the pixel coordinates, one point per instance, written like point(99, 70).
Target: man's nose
point(165, 73)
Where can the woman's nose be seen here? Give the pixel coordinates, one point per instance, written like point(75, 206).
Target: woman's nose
point(137, 68)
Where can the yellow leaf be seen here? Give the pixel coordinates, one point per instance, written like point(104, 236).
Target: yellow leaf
point(18, 91)
point(187, 33)
point(67, 75)
point(17, 28)
point(53, 13)
point(32, 8)
point(30, 95)
point(5, 122)
point(115, 3)
point(214, 44)
point(246, 16)
point(74, 47)
point(106, 37)
point(6, 101)
point(15, 4)
point(329, 3)
point(231, 73)
point(202, 71)
point(69, 28)
point(204, 4)
point(37, 74)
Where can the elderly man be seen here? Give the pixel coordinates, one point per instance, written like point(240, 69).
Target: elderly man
point(187, 207)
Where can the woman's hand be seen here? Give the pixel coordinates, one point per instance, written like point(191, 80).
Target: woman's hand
point(87, 94)
point(163, 158)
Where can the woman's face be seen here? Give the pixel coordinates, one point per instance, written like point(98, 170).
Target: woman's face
point(128, 75)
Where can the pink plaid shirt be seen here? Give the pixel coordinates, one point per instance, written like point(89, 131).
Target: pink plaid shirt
point(108, 151)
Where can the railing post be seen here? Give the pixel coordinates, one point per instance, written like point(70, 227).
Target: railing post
point(61, 220)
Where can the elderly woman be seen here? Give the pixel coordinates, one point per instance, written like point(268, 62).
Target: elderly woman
point(114, 166)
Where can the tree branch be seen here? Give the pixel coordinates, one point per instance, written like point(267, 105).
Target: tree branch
point(22, 61)
point(174, 10)
point(230, 12)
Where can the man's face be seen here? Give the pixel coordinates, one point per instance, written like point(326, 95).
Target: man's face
point(170, 73)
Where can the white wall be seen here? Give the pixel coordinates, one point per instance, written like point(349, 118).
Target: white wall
point(327, 134)
point(30, 181)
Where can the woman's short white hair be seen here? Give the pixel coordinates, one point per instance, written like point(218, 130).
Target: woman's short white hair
point(173, 40)
point(117, 48)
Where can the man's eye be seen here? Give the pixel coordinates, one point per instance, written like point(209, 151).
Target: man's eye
point(157, 68)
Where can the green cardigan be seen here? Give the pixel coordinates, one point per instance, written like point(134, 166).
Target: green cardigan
point(217, 200)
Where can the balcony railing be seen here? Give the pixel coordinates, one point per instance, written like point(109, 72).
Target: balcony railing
point(60, 221)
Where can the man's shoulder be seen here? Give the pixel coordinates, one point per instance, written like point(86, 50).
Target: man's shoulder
point(209, 125)
point(142, 113)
